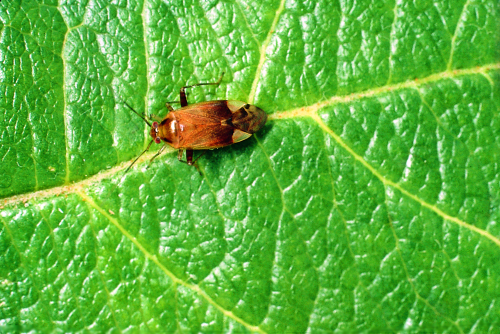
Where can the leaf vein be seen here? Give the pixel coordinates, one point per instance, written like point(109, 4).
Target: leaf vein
point(176, 280)
point(409, 279)
point(262, 50)
point(460, 24)
point(395, 185)
point(309, 111)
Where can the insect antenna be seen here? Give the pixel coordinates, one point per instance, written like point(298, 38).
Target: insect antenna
point(144, 118)
point(140, 155)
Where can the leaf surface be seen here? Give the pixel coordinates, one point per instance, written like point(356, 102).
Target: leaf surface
point(369, 202)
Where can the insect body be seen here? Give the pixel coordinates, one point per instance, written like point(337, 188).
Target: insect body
point(205, 125)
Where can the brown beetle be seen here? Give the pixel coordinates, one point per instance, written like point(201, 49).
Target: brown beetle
point(204, 125)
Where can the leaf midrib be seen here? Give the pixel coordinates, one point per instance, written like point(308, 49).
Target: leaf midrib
point(176, 280)
point(312, 113)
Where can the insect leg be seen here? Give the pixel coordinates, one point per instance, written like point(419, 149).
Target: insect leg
point(183, 89)
point(147, 148)
point(189, 157)
point(169, 107)
point(155, 117)
point(190, 162)
point(194, 162)
point(157, 154)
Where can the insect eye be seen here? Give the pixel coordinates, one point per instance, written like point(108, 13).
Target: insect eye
point(155, 125)
point(246, 106)
point(157, 140)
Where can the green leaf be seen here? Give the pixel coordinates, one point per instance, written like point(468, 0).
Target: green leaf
point(369, 202)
